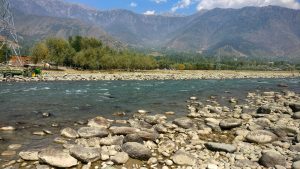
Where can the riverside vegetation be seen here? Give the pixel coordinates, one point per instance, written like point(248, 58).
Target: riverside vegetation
point(261, 133)
point(89, 53)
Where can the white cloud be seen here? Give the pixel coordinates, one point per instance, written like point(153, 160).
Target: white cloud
point(159, 1)
point(181, 4)
point(132, 4)
point(149, 13)
point(210, 4)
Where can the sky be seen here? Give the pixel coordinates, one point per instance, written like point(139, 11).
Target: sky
point(183, 7)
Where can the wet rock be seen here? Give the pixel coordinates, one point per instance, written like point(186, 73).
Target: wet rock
point(57, 158)
point(85, 154)
point(264, 110)
point(261, 136)
point(142, 111)
point(295, 107)
point(46, 114)
point(148, 135)
point(114, 140)
point(136, 150)
point(220, 147)
point(99, 122)
point(227, 124)
point(120, 158)
point(39, 133)
point(14, 146)
point(138, 124)
point(133, 138)
point(7, 128)
point(183, 158)
point(296, 165)
point(169, 113)
point(123, 130)
point(156, 119)
point(69, 133)
point(272, 158)
point(296, 115)
point(88, 132)
point(29, 155)
point(184, 122)
point(8, 153)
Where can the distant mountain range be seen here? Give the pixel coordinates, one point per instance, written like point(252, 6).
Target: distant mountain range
point(251, 31)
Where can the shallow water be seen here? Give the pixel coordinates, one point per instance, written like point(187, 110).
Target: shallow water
point(22, 104)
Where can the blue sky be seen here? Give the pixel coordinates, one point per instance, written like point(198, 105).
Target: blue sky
point(181, 6)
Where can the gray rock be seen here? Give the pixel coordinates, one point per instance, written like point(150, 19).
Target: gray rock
point(272, 158)
point(120, 158)
point(29, 155)
point(85, 154)
point(184, 122)
point(123, 130)
point(296, 115)
point(148, 135)
point(133, 138)
point(167, 146)
point(38, 166)
point(156, 119)
point(295, 107)
point(183, 158)
point(261, 136)
point(87, 132)
point(220, 147)
point(230, 123)
point(57, 158)
point(295, 148)
point(296, 165)
point(246, 163)
point(114, 140)
point(69, 133)
point(264, 110)
point(160, 128)
point(99, 122)
point(136, 150)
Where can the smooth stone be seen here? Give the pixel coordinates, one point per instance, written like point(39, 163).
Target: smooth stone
point(69, 133)
point(14, 146)
point(296, 165)
point(123, 130)
point(264, 110)
point(114, 140)
point(99, 122)
point(230, 123)
point(57, 158)
point(295, 148)
point(272, 158)
point(220, 147)
point(133, 138)
point(169, 113)
point(85, 154)
point(88, 132)
point(143, 111)
point(184, 122)
point(39, 133)
point(120, 158)
point(38, 166)
point(148, 135)
point(8, 153)
point(169, 162)
point(136, 150)
point(261, 136)
point(212, 166)
point(8, 128)
point(183, 158)
point(296, 115)
point(29, 155)
point(295, 107)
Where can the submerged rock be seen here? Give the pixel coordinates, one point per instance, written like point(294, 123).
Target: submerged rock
point(57, 158)
point(69, 133)
point(136, 150)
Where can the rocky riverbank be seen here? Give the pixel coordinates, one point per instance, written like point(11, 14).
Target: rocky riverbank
point(261, 133)
point(72, 75)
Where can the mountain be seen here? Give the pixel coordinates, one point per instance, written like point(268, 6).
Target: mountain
point(251, 31)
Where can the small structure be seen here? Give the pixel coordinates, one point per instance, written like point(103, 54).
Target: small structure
point(15, 61)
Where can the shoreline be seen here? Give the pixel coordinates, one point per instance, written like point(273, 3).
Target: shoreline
point(261, 133)
point(74, 75)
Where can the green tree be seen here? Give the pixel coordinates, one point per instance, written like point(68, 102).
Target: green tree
point(60, 51)
point(39, 52)
point(4, 54)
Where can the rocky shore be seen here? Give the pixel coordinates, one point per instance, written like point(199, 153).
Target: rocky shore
point(261, 133)
point(72, 75)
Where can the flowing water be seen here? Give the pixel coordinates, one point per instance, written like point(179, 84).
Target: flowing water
point(22, 104)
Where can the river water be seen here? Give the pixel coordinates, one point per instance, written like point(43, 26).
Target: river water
point(22, 104)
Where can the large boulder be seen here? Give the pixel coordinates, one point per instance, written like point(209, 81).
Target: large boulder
point(69, 133)
point(261, 136)
point(99, 122)
point(272, 158)
point(228, 124)
point(184, 122)
point(88, 132)
point(136, 150)
point(123, 130)
point(183, 158)
point(220, 147)
point(85, 154)
point(57, 158)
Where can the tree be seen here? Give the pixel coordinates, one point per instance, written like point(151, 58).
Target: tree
point(39, 52)
point(60, 51)
point(4, 54)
